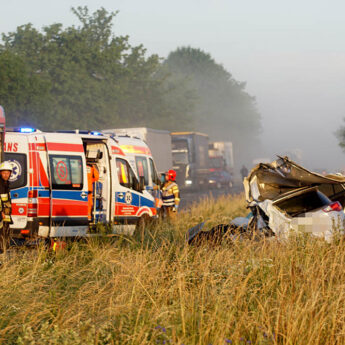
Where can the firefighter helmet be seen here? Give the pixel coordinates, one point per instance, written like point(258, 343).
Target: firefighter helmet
point(171, 175)
point(6, 166)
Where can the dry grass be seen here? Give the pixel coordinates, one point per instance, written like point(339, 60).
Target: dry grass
point(156, 290)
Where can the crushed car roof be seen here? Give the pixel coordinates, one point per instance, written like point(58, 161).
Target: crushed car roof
point(273, 180)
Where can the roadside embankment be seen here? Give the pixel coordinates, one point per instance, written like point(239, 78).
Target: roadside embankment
point(154, 289)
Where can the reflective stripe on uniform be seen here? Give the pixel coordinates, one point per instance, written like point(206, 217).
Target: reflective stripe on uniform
point(168, 200)
point(170, 195)
point(7, 219)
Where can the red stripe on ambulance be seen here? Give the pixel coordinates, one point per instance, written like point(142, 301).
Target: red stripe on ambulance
point(117, 151)
point(65, 147)
point(75, 208)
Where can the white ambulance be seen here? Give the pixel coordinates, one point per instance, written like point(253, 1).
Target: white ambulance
point(141, 160)
point(49, 184)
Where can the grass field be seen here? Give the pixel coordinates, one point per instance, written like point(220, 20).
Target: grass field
point(154, 289)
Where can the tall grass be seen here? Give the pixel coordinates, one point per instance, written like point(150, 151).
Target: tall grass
point(154, 289)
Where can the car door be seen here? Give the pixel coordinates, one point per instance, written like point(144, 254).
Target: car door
point(127, 197)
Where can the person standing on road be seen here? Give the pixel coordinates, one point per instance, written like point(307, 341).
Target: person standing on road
point(244, 171)
point(5, 205)
point(170, 195)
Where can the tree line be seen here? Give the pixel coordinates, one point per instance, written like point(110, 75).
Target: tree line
point(87, 77)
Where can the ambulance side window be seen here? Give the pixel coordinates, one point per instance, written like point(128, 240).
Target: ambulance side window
point(125, 174)
point(154, 174)
point(66, 171)
point(142, 168)
point(19, 173)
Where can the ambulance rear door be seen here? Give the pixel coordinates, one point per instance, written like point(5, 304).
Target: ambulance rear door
point(16, 152)
point(69, 189)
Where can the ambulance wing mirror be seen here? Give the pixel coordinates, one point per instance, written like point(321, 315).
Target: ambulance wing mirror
point(159, 181)
point(141, 183)
point(99, 154)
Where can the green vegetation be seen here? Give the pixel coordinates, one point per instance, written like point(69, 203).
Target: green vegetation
point(223, 109)
point(154, 289)
point(83, 76)
point(86, 76)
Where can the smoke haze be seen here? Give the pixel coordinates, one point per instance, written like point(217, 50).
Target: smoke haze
point(291, 54)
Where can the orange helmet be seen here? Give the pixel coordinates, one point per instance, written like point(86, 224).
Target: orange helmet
point(171, 175)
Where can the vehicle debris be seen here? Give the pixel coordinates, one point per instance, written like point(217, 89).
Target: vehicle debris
point(284, 197)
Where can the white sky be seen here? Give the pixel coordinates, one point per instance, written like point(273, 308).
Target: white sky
point(290, 53)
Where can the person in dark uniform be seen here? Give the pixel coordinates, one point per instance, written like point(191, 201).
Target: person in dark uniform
point(244, 171)
point(5, 205)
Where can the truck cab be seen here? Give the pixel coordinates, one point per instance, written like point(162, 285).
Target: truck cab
point(190, 159)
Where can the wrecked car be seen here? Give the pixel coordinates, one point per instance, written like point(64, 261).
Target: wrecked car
point(283, 197)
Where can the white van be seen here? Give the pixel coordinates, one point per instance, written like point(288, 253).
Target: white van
point(49, 187)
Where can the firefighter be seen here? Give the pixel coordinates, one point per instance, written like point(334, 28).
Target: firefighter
point(92, 177)
point(170, 195)
point(5, 205)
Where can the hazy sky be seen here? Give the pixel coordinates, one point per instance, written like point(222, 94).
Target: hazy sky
point(290, 53)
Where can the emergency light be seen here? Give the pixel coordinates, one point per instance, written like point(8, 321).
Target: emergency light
point(96, 133)
point(27, 130)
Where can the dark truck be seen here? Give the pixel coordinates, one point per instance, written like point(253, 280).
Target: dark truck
point(190, 159)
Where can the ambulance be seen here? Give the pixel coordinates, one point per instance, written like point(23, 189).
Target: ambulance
point(49, 186)
point(140, 157)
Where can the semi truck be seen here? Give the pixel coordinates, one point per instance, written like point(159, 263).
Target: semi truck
point(159, 142)
point(190, 159)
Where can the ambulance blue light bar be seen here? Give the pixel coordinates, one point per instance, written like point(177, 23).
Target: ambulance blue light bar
point(96, 133)
point(27, 130)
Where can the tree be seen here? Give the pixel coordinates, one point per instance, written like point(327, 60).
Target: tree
point(85, 76)
point(223, 109)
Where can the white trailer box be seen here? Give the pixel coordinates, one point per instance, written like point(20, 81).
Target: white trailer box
point(159, 142)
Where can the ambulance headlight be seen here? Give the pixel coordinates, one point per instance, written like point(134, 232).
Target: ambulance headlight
point(27, 130)
point(188, 182)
